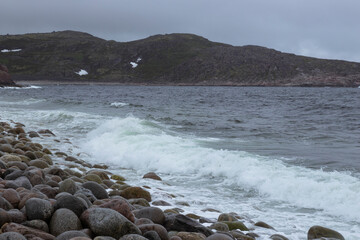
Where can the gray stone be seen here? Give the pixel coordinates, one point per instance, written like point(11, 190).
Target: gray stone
point(71, 234)
point(108, 222)
point(153, 213)
point(316, 232)
point(71, 202)
point(64, 220)
point(37, 208)
point(98, 191)
point(68, 185)
point(11, 236)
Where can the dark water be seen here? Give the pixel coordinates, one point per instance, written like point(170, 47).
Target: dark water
point(312, 127)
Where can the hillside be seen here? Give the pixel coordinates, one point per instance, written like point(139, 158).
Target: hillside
point(172, 59)
point(5, 79)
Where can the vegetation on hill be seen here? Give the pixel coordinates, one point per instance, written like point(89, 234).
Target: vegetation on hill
point(171, 59)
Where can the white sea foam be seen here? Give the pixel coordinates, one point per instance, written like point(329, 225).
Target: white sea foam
point(118, 104)
point(20, 88)
point(10, 50)
point(140, 144)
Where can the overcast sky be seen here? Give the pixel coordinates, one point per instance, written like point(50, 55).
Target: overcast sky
point(319, 28)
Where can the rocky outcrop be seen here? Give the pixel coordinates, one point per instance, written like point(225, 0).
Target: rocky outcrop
point(170, 59)
point(5, 79)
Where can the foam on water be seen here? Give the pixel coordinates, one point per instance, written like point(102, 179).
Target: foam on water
point(21, 88)
point(118, 104)
point(143, 145)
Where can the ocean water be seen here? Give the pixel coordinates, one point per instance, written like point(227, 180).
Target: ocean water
point(286, 156)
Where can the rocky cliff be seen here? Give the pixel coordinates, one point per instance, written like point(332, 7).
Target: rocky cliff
point(171, 59)
point(5, 79)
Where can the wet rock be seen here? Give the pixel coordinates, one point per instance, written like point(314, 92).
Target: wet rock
point(142, 221)
point(136, 192)
point(132, 237)
point(153, 176)
point(33, 134)
point(3, 165)
point(182, 223)
point(102, 174)
point(98, 191)
point(226, 217)
point(153, 213)
point(15, 227)
point(90, 196)
point(191, 236)
point(139, 201)
point(240, 235)
point(59, 172)
point(11, 236)
point(316, 232)
point(121, 206)
point(71, 235)
point(64, 220)
point(93, 178)
point(108, 222)
point(160, 230)
point(236, 225)
point(38, 209)
point(37, 224)
point(193, 216)
point(278, 237)
point(219, 226)
point(68, 185)
point(263, 225)
point(160, 203)
point(117, 177)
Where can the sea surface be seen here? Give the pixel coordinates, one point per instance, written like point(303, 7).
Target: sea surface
point(287, 156)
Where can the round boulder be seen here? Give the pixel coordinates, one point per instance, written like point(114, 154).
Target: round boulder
point(316, 232)
point(153, 213)
point(98, 191)
point(108, 222)
point(71, 202)
point(136, 192)
point(153, 176)
point(37, 208)
point(64, 220)
point(11, 236)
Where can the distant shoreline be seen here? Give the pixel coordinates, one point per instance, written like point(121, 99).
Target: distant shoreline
point(69, 82)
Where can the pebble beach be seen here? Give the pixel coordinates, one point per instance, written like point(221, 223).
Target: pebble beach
point(47, 194)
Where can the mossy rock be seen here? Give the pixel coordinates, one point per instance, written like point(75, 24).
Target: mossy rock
point(236, 225)
point(93, 177)
point(219, 226)
point(316, 232)
point(193, 216)
point(136, 192)
point(10, 158)
point(47, 151)
point(227, 217)
point(118, 178)
point(263, 225)
point(102, 174)
point(39, 163)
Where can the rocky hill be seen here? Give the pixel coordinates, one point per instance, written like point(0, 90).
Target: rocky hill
point(171, 59)
point(5, 79)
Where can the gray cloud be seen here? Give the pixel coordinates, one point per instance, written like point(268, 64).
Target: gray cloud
point(319, 28)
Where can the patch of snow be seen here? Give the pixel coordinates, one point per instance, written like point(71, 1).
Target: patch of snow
point(139, 59)
point(10, 50)
point(134, 64)
point(82, 72)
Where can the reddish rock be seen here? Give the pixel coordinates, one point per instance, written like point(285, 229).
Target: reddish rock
point(160, 230)
point(14, 227)
point(5, 79)
point(12, 196)
point(121, 206)
point(152, 175)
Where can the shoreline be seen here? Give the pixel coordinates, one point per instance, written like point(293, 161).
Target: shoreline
point(35, 172)
point(25, 83)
